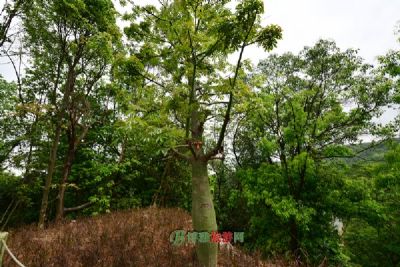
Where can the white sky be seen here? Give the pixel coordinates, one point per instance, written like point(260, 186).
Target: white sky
point(368, 25)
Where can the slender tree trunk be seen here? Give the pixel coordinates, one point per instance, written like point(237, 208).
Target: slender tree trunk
point(69, 86)
point(65, 174)
point(294, 238)
point(73, 143)
point(203, 213)
point(49, 177)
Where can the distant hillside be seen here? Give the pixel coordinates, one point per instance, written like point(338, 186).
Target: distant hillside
point(129, 238)
point(375, 153)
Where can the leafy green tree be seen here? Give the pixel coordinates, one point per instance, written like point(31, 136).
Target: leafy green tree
point(181, 48)
point(122, 164)
point(295, 127)
point(72, 44)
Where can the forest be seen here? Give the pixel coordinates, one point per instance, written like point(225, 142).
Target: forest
point(123, 125)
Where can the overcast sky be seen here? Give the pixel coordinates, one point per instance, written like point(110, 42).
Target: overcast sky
point(368, 25)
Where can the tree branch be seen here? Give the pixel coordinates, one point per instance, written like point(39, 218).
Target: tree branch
point(180, 155)
point(80, 207)
point(218, 148)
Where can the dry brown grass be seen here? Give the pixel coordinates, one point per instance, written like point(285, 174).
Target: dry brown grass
point(129, 238)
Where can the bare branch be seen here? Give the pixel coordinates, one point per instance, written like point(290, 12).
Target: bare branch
point(80, 207)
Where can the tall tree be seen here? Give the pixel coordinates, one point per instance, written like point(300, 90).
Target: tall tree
point(296, 125)
point(181, 48)
point(72, 42)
